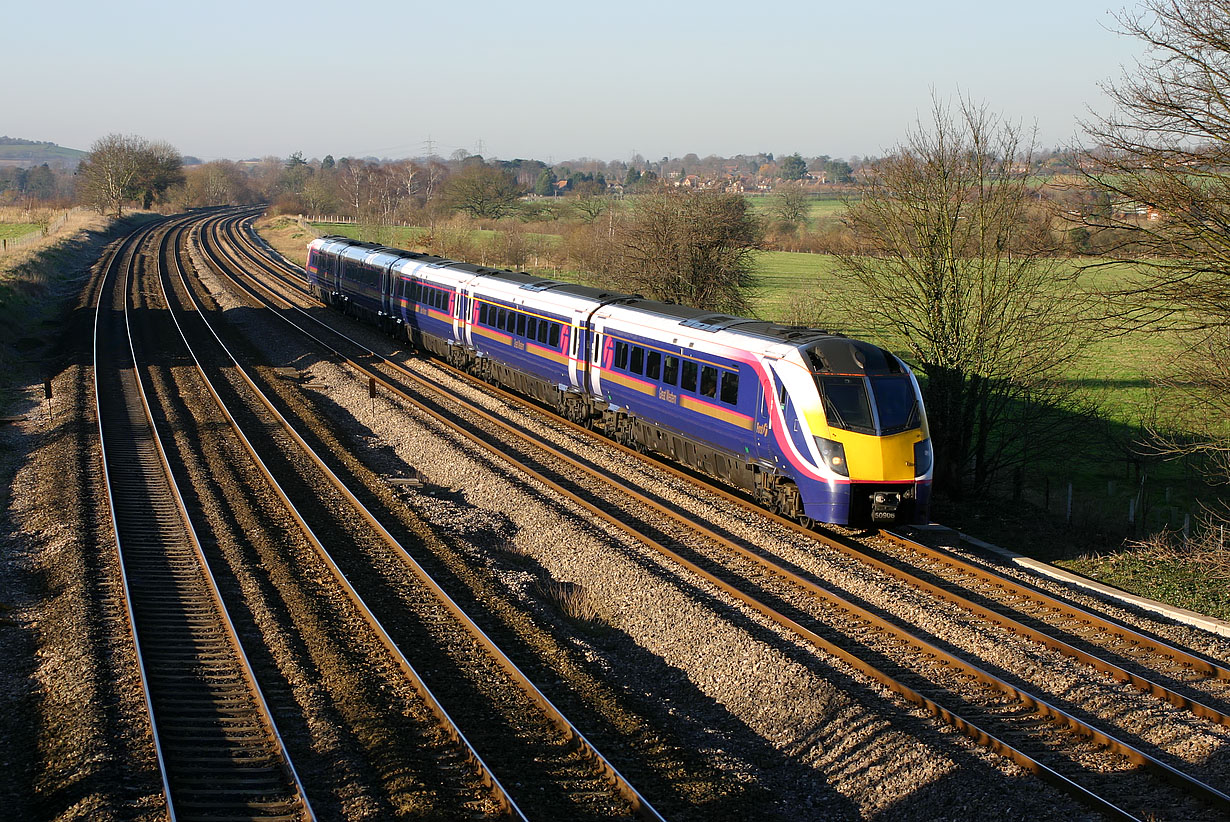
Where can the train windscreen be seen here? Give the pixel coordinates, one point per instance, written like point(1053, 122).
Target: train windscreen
point(845, 403)
point(848, 406)
point(896, 405)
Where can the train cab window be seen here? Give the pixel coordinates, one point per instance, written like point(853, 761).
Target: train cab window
point(688, 383)
point(638, 360)
point(531, 328)
point(708, 381)
point(846, 404)
point(544, 331)
point(520, 324)
point(621, 354)
point(670, 370)
point(653, 364)
point(730, 388)
point(553, 337)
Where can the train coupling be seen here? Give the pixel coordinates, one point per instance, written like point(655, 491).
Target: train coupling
point(886, 506)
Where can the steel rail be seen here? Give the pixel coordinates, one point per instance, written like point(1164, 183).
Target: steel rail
point(218, 749)
point(622, 785)
point(1040, 706)
point(448, 724)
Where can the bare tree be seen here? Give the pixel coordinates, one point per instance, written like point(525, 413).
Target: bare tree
point(690, 248)
point(352, 179)
point(1163, 162)
point(111, 171)
point(790, 204)
point(482, 191)
point(589, 209)
point(954, 266)
point(120, 168)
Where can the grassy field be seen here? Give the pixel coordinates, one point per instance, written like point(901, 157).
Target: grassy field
point(10, 230)
point(819, 210)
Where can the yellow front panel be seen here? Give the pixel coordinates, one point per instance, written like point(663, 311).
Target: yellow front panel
point(889, 459)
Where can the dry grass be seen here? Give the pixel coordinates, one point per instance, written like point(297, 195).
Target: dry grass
point(574, 601)
point(287, 237)
point(1190, 573)
point(26, 258)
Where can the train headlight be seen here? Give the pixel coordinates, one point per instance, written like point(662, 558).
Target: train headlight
point(834, 454)
point(923, 457)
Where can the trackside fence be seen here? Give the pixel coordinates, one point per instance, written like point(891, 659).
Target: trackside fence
point(8, 244)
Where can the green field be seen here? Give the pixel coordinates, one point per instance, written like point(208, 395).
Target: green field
point(10, 230)
point(819, 210)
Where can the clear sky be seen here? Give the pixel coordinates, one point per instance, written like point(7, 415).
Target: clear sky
point(544, 79)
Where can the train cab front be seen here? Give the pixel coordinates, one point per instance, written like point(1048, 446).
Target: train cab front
point(873, 432)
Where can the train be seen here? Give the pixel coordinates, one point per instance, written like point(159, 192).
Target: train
point(815, 426)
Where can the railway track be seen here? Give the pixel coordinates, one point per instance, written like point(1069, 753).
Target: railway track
point(544, 748)
point(1033, 705)
point(218, 749)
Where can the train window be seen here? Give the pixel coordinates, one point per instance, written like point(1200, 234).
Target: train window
point(553, 340)
point(502, 322)
point(730, 388)
point(621, 354)
point(708, 381)
point(531, 328)
point(670, 370)
point(846, 404)
point(895, 404)
point(520, 324)
point(482, 313)
point(544, 331)
point(688, 383)
point(638, 360)
point(653, 364)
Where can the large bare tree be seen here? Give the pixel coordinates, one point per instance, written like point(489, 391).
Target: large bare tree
point(111, 170)
point(956, 265)
point(482, 191)
point(120, 168)
point(1163, 160)
point(691, 248)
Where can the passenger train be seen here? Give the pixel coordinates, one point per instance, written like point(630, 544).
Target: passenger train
point(815, 426)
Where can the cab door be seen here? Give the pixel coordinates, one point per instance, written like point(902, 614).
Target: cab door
point(388, 280)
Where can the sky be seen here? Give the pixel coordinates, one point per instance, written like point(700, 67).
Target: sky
point(548, 80)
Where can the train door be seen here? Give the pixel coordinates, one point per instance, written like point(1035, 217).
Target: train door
point(387, 282)
point(593, 356)
point(576, 350)
point(339, 262)
point(460, 301)
point(768, 396)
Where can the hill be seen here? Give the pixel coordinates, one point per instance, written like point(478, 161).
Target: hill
point(28, 153)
